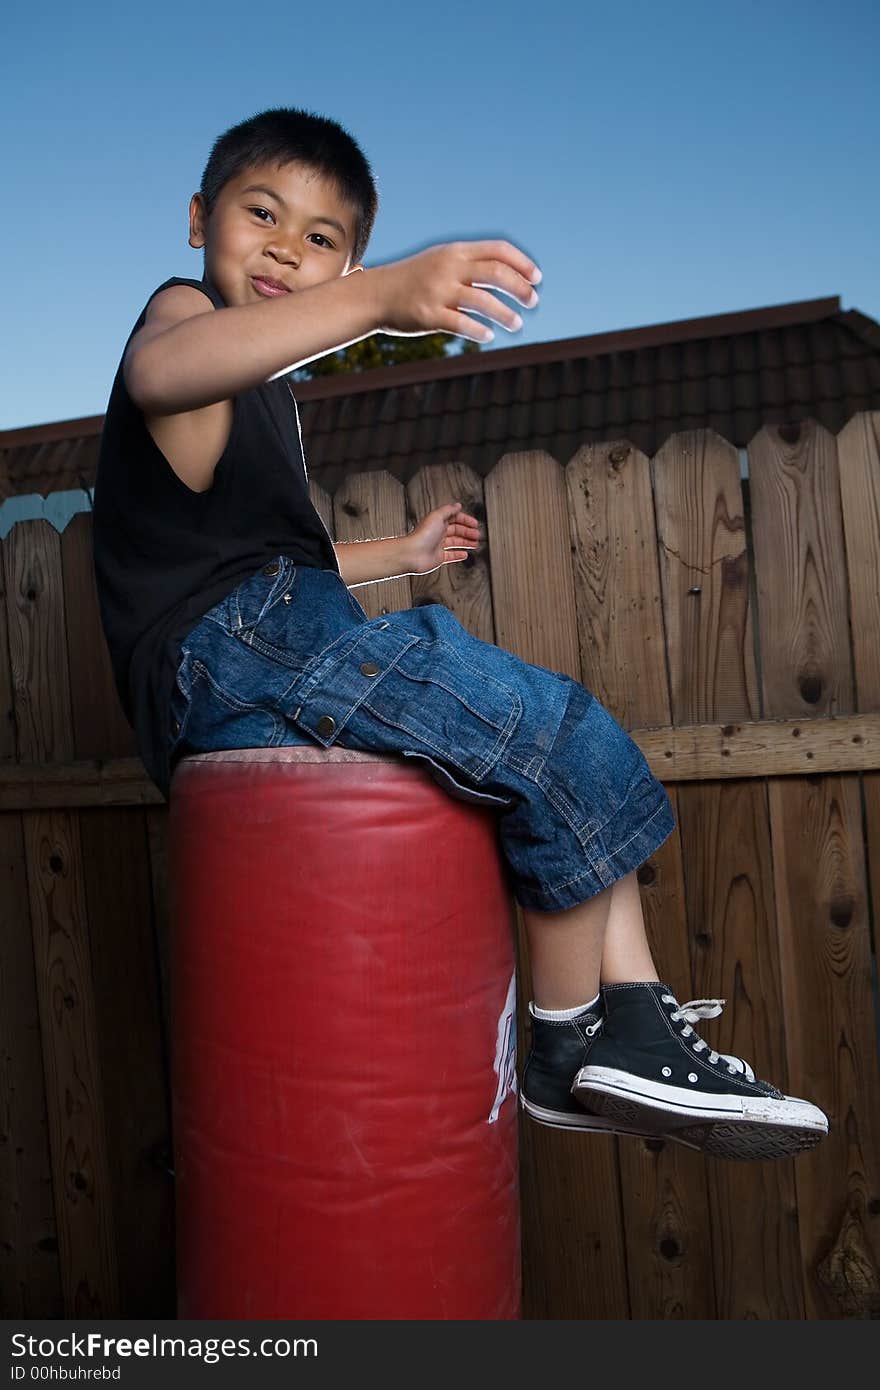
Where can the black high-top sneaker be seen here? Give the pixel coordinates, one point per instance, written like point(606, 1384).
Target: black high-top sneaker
point(559, 1050)
point(650, 1069)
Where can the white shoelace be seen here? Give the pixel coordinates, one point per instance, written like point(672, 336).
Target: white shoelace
point(706, 1008)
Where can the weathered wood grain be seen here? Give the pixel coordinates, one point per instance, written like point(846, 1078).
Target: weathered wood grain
point(819, 866)
point(574, 1259)
point(370, 506)
point(724, 833)
point(623, 661)
point(37, 649)
point(30, 1275)
point(72, 1066)
point(136, 1096)
point(100, 728)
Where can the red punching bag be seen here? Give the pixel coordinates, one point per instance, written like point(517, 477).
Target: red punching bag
point(343, 1042)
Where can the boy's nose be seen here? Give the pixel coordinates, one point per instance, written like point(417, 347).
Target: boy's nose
point(285, 252)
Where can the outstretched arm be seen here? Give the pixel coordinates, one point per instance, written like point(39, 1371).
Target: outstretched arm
point(446, 535)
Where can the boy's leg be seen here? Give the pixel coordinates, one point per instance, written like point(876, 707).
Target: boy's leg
point(636, 1061)
point(601, 941)
point(571, 954)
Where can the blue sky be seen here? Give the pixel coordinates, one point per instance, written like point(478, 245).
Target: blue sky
point(659, 161)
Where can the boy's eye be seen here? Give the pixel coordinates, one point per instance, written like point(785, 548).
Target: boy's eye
point(258, 211)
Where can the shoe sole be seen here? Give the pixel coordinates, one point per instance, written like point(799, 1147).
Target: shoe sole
point(594, 1124)
point(733, 1127)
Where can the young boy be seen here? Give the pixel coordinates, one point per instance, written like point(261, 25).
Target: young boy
point(229, 619)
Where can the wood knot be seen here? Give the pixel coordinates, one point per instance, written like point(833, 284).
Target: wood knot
point(848, 1274)
point(810, 688)
point(841, 910)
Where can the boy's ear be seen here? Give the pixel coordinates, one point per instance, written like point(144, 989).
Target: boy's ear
point(197, 219)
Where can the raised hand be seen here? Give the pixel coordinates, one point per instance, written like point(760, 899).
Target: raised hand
point(428, 292)
point(444, 536)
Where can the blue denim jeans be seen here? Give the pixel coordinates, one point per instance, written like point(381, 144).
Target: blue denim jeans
point(290, 657)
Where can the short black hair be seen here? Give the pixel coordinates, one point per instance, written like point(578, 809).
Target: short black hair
point(286, 135)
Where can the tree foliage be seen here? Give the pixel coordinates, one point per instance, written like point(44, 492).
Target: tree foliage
point(383, 350)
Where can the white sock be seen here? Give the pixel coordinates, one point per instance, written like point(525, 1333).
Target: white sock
point(559, 1014)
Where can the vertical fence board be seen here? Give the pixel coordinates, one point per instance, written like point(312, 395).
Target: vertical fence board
point(704, 568)
point(70, 1056)
point(462, 585)
point(135, 1089)
point(623, 659)
point(617, 582)
point(100, 729)
point(37, 651)
point(156, 818)
point(35, 608)
point(369, 506)
point(802, 599)
point(532, 582)
point(818, 862)
point(858, 448)
point(124, 960)
point(8, 739)
point(323, 504)
point(820, 890)
point(30, 1278)
point(573, 1240)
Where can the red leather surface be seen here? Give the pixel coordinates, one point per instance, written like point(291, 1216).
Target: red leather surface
point(341, 952)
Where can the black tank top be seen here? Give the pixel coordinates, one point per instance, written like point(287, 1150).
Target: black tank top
point(164, 554)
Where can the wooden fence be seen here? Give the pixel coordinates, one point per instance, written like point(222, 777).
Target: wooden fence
point(739, 646)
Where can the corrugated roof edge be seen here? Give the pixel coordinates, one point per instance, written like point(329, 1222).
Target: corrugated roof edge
point(566, 349)
point(500, 359)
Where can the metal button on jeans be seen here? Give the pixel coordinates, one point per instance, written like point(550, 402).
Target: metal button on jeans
point(369, 668)
point(326, 724)
point(272, 568)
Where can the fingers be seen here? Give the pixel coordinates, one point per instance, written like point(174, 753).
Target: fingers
point(491, 308)
point(505, 253)
point(509, 271)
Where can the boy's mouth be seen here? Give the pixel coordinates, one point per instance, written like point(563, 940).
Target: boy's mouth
point(269, 288)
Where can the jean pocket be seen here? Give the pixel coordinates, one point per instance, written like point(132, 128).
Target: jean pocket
point(248, 606)
point(403, 693)
point(450, 784)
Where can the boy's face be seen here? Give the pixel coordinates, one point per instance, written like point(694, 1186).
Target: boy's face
point(266, 230)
